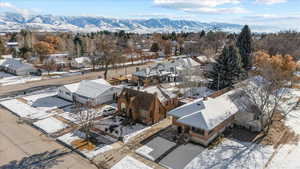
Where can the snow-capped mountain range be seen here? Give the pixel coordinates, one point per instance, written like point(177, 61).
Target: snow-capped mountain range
point(10, 22)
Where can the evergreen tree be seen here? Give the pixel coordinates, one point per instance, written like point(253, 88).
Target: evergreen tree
point(227, 70)
point(244, 45)
point(154, 47)
point(202, 34)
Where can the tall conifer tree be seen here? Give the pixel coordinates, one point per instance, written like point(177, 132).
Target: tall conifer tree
point(245, 47)
point(227, 70)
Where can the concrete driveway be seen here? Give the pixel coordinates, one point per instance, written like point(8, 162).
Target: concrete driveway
point(18, 141)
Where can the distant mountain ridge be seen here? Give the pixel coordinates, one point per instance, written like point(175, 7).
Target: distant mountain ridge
point(14, 22)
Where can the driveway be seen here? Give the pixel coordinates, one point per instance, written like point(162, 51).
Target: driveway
point(22, 146)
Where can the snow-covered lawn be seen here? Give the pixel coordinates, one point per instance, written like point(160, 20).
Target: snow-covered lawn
point(232, 154)
point(113, 125)
point(24, 110)
point(68, 115)
point(46, 101)
point(77, 135)
point(287, 155)
point(50, 125)
point(129, 162)
point(11, 80)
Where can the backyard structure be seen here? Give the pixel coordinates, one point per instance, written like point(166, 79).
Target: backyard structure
point(204, 119)
point(148, 105)
point(95, 91)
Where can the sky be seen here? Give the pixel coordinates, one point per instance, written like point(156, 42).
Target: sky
point(283, 14)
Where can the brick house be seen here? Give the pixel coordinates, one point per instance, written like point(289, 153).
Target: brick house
point(148, 105)
point(204, 119)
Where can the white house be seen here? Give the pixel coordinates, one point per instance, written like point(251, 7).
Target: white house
point(12, 44)
point(95, 91)
point(16, 67)
point(81, 62)
point(60, 59)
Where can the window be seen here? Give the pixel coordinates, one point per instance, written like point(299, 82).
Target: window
point(198, 131)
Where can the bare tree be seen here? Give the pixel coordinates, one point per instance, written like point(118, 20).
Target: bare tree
point(50, 65)
point(109, 53)
point(267, 91)
point(86, 117)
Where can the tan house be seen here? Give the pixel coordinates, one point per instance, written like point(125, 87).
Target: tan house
point(148, 105)
point(204, 119)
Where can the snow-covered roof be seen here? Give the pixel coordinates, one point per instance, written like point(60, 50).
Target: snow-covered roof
point(72, 87)
point(162, 94)
point(205, 59)
point(205, 114)
point(14, 64)
point(82, 59)
point(12, 43)
point(58, 55)
point(6, 56)
point(187, 62)
point(89, 88)
point(149, 72)
point(92, 89)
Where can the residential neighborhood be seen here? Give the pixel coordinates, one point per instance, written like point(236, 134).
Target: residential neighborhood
point(92, 92)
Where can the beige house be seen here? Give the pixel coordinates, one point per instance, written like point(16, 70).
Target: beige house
point(204, 119)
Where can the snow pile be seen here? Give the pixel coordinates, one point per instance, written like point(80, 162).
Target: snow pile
point(130, 163)
point(232, 154)
point(18, 80)
point(50, 125)
point(76, 135)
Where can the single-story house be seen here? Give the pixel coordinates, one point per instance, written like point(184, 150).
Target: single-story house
point(81, 62)
point(148, 105)
point(16, 67)
point(60, 59)
point(204, 119)
point(12, 44)
point(94, 91)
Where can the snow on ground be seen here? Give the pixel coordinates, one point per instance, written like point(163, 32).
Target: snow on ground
point(46, 101)
point(232, 154)
point(196, 92)
point(113, 125)
point(288, 154)
point(11, 80)
point(24, 110)
point(69, 116)
point(129, 162)
point(5, 75)
point(50, 125)
point(76, 135)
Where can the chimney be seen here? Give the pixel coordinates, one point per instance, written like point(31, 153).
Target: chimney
point(205, 98)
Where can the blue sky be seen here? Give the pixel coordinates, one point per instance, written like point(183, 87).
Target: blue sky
point(279, 13)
